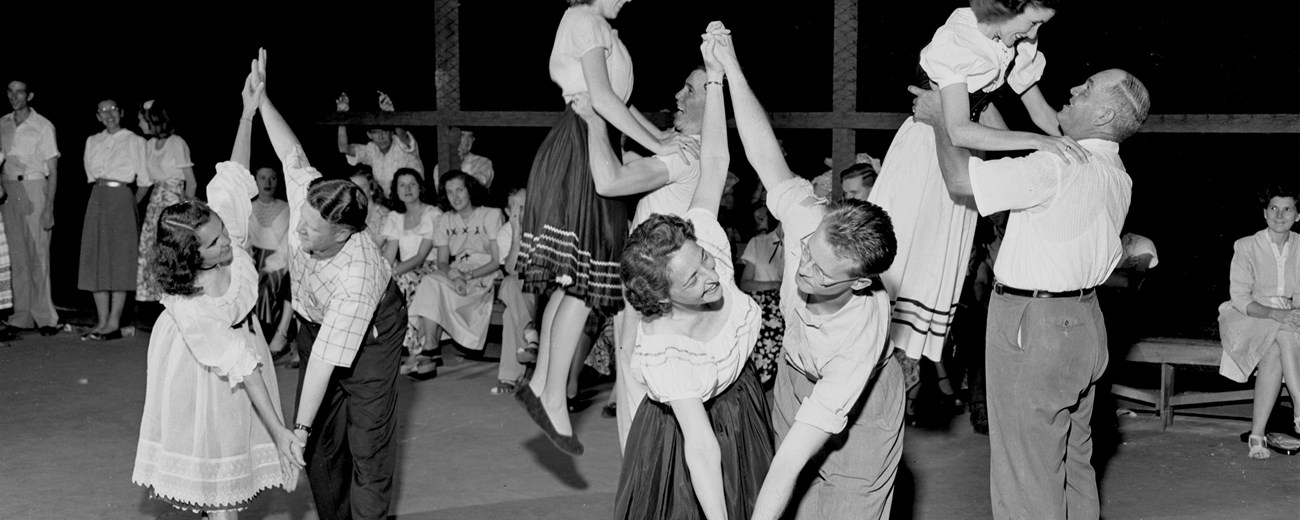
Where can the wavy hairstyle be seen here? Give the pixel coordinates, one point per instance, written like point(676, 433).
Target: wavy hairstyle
point(477, 192)
point(340, 202)
point(1267, 194)
point(176, 258)
point(155, 113)
point(644, 266)
point(396, 203)
point(998, 11)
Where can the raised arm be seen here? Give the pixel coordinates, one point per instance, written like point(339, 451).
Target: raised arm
point(755, 130)
point(1041, 112)
point(714, 155)
point(610, 107)
point(341, 106)
point(252, 97)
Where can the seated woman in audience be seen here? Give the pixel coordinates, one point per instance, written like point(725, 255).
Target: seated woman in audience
point(1259, 324)
point(171, 173)
point(701, 442)
point(377, 208)
point(518, 334)
point(267, 239)
point(212, 436)
point(408, 239)
point(456, 297)
point(764, 260)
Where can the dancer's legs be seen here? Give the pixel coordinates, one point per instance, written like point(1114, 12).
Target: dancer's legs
point(538, 381)
point(556, 356)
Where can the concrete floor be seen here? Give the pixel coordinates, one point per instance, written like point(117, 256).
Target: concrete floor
point(70, 411)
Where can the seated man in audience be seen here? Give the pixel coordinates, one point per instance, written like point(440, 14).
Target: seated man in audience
point(384, 154)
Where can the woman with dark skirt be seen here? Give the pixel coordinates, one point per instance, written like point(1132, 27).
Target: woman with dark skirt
point(701, 442)
point(573, 236)
point(114, 159)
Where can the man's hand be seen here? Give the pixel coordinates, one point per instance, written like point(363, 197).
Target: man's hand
point(712, 67)
point(341, 104)
point(47, 216)
point(927, 107)
point(385, 102)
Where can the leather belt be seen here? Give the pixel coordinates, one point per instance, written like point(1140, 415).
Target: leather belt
point(1026, 293)
point(111, 184)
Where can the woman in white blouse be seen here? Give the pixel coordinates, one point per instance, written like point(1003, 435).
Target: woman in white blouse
point(408, 240)
point(268, 232)
point(701, 441)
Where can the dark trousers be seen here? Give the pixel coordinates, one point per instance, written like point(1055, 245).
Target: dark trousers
point(351, 453)
point(1043, 358)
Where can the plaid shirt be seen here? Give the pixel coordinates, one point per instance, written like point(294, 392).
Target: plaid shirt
point(340, 292)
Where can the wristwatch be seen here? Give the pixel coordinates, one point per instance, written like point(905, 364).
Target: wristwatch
point(303, 427)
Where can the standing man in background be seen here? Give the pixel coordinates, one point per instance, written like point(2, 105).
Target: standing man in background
point(29, 179)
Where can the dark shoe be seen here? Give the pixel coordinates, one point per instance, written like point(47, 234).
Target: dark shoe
point(9, 332)
point(103, 336)
point(424, 371)
point(609, 411)
point(979, 418)
point(566, 443)
point(50, 330)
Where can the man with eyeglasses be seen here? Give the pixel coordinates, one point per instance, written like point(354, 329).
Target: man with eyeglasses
point(29, 180)
point(838, 398)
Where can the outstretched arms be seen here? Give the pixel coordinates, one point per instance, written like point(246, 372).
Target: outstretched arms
point(714, 155)
point(755, 130)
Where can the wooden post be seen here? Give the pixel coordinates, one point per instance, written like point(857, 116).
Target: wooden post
point(446, 26)
point(844, 85)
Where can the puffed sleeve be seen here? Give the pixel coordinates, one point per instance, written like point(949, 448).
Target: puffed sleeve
point(951, 57)
point(1241, 274)
point(210, 339)
point(230, 194)
point(750, 256)
point(1028, 68)
point(441, 234)
point(179, 152)
point(672, 372)
point(429, 223)
point(392, 226)
point(587, 32)
point(139, 161)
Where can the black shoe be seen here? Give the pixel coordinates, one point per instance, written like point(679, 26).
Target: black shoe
point(610, 411)
point(103, 336)
point(50, 330)
point(566, 443)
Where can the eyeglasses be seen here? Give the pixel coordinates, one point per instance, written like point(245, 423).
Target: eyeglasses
point(108, 109)
point(818, 275)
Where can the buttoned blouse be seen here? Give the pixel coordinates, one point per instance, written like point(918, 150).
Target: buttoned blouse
point(119, 156)
point(960, 53)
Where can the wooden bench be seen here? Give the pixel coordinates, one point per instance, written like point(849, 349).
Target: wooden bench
point(1169, 353)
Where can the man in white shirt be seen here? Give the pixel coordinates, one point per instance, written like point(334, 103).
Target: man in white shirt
point(837, 408)
point(666, 184)
point(30, 177)
point(389, 149)
point(1046, 340)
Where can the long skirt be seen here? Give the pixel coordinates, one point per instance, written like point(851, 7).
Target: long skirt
point(272, 292)
point(655, 482)
point(408, 282)
point(573, 237)
point(108, 240)
point(165, 193)
point(463, 317)
point(935, 233)
point(6, 275)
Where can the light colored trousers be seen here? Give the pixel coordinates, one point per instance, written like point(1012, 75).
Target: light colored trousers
point(519, 314)
point(29, 253)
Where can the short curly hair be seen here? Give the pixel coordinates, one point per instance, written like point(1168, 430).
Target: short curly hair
point(176, 258)
point(644, 266)
point(1270, 192)
point(340, 202)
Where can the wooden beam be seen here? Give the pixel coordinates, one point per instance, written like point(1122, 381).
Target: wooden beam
point(844, 88)
point(1159, 123)
point(446, 28)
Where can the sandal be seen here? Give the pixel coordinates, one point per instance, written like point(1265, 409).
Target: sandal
point(1258, 447)
point(527, 354)
point(503, 388)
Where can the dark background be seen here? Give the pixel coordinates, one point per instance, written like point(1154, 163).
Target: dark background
point(1193, 193)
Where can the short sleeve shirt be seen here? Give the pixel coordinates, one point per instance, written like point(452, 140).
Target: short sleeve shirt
point(27, 146)
point(169, 161)
point(582, 30)
point(673, 198)
point(960, 53)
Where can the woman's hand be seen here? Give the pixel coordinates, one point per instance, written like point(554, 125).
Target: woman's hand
point(462, 286)
point(723, 49)
point(278, 343)
point(1064, 146)
point(712, 67)
point(582, 106)
point(254, 87)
